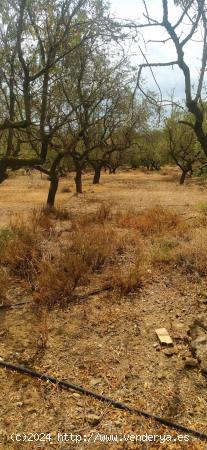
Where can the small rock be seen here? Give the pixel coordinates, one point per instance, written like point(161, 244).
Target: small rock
point(95, 381)
point(161, 375)
point(32, 410)
point(191, 362)
point(118, 423)
point(93, 419)
point(203, 294)
point(27, 401)
point(76, 395)
point(171, 352)
point(19, 404)
point(204, 366)
point(164, 336)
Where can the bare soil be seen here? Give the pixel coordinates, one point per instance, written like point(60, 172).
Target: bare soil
point(105, 342)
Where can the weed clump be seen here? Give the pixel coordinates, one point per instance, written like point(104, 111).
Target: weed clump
point(96, 246)
point(191, 256)
point(4, 282)
point(149, 222)
point(21, 253)
point(130, 279)
point(101, 216)
point(57, 281)
point(57, 213)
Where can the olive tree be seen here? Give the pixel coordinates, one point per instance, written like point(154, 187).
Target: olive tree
point(194, 14)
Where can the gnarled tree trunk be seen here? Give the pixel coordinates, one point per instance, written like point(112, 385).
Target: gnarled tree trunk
point(97, 175)
point(183, 177)
point(52, 191)
point(78, 180)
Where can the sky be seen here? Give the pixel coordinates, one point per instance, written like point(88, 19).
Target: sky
point(170, 80)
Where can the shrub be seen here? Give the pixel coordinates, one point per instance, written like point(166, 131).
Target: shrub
point(96, 246)
point(133, 267)
point(57, 281)
point(21, 252)
point(89, 252)
point(129, 279)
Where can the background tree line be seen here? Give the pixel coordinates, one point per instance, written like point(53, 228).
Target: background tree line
point(70, 99)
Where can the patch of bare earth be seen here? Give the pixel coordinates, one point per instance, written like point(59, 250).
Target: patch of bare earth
point(106, 341)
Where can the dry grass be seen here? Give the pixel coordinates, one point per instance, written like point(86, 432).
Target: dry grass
point(102, 215)
point(163, 250)
point(89, 251)
point(21, 252)
point(191, 255)
point(151, 221)
point(4, 283)
point(131, 270)
point(129, 279)
point(57, 281)
point(58, 213)
point(119, 261)
point(187, 253)
point(97, 245)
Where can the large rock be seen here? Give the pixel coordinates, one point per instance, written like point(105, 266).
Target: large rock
point(198, 331)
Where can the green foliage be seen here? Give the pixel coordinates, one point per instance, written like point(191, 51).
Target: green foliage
point(183, 148)
point(202, 207)
point(149, 150)
point(5, 235)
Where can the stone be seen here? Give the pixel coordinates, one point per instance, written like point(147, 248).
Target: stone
point(76, 395)
point(161, 375)
point(95, 381)
point(198, 331)
point(93, 419)
point(163, 336)
point(191, 362)
point(204, 366)
point(171, 352)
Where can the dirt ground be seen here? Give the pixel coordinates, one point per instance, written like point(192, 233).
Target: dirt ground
point(132, 189)
point(105, 342)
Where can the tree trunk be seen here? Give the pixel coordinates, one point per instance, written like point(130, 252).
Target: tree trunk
point(97, 175)
point(183, 176)
point(78, 181)
point(3, 171)
point(52, 191)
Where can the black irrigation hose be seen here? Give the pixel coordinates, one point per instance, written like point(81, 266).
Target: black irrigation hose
point(103, 398)
point(75, 297)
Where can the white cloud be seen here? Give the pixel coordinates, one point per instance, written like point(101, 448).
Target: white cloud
point(167, 78)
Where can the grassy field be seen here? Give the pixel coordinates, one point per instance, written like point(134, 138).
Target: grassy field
point(98, 275)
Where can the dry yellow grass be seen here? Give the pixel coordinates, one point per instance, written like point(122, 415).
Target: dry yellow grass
point(129, 190)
